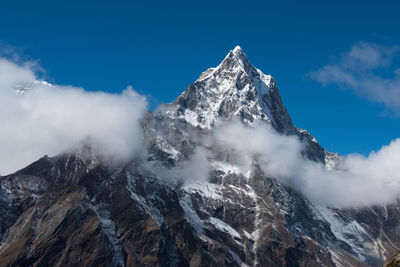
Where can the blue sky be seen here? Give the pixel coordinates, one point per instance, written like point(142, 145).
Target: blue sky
point(160, 47)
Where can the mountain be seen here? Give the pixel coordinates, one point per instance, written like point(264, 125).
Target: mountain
point(75, 209)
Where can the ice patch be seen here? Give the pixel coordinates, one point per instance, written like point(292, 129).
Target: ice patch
point(205, 189)
point(351, 232)
point(109, 229)
point(224, 227)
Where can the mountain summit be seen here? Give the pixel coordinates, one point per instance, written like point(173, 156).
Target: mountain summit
point(234, 88)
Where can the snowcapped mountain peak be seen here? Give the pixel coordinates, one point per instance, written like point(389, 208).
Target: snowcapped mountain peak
point(239, 56)
point(237, 49)
point(234, 88)
point(236, 59)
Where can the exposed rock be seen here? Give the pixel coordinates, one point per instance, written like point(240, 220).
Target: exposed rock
point(394, 261)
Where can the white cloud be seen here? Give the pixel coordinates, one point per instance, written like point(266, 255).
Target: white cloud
point(360, 181)
point(194, 168)
point(50, 119)
point(358, 70)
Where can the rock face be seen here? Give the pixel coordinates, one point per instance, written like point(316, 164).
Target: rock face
point(76, 210)
point(393, 261)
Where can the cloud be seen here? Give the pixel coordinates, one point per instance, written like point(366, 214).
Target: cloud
point(194, 168)
point(358, 182)
point(51, 119)
point(358, 70)
point(277, 154)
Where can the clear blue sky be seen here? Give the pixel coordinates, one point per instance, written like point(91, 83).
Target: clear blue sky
point(160, 47)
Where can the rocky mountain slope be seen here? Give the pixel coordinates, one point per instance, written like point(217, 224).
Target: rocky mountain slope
point(75, 209)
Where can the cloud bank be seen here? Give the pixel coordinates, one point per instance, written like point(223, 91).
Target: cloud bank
point(359, 181)
point(359, 70)
point(48, 119)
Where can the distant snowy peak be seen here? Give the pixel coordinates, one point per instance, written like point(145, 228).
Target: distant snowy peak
point(234, 89)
